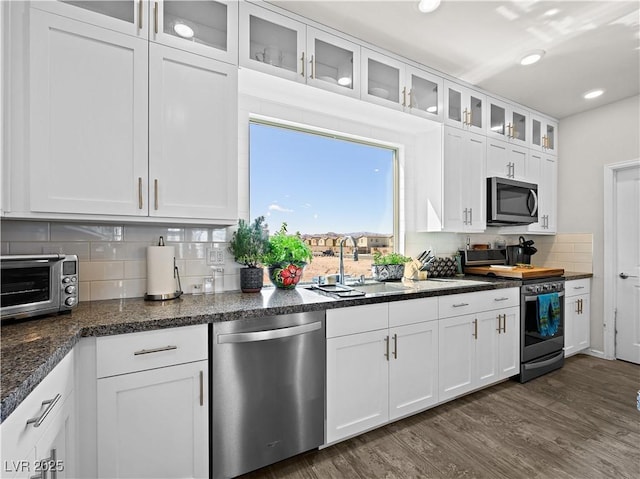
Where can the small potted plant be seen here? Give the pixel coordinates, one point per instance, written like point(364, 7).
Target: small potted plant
point(388, 267)
point(286, 257)
point(248, 244)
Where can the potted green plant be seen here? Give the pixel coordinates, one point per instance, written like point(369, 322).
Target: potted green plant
point(285, 258)
point(388, 267)
point(248, 244)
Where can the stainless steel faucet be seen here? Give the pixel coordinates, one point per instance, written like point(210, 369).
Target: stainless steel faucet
point(355, 256)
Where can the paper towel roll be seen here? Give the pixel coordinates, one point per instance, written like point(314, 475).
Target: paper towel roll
point(160, 262)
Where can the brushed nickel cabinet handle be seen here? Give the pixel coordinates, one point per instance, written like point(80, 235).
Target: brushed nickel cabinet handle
point(395, 346)
point(155, 193)
point(201, 388)
point(504, 298)
point(404, 96)
point(386, 354)
point(154, 350)
point(471, 216)
point(475, 328)
point(140, 14)
point(504, 323)
point(155, 17)
point(50, 403)
point(140, 193)
point(302, 63)
point(460, 305)
point(499, 329)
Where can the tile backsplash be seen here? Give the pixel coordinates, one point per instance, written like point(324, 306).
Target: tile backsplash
point(113, 257)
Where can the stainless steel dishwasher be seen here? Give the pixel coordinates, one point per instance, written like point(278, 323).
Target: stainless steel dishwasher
point(267, 390)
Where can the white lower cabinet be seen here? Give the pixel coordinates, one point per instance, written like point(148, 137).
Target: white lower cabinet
point(377, 373)
point(39, 436)
point(577, 316)
point(479, 347)
point(152, 404)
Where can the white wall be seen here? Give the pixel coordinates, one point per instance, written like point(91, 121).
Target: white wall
point(587, 142)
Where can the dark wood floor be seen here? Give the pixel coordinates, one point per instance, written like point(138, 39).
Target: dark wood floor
point(577, 422)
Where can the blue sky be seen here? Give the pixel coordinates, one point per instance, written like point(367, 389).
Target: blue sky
point(318, 184)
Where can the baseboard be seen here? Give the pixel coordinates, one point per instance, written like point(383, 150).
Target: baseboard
point(595, 353)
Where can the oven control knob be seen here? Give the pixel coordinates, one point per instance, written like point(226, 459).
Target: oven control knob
point(70, 289)
point(70, 301)
point(66, 279)
point(546, 287)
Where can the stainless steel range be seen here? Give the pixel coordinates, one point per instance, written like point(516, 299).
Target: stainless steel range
point(541, 327)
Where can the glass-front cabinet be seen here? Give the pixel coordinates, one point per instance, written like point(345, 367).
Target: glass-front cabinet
point(125, 16)
point(392, 83)
point(544, 134)
point(207, 28)
point(507, 122)
point(464, 107)
point(333, 63)
point(279, 45)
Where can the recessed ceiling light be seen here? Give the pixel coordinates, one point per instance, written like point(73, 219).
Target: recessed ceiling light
point(428, 6)
point(532, 57)
point(185, 31)
point(593, 94)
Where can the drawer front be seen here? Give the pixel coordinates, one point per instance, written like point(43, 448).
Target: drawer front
point(31, 419)
point(357, 319)
point(470, 303)
point(413, 311)
point(577, 286)
point(127, 353)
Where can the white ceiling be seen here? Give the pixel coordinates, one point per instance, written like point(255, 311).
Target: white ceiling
point(588, 44)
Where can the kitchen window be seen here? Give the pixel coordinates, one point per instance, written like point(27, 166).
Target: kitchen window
point(325, 186)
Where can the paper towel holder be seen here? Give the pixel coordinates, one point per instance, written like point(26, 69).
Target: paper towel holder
point(167, 296)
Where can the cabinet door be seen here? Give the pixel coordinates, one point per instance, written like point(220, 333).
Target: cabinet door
point(88, 118)
point(126, 16)
point(357, 383)
point(543, 134)
point(425, 93)
point(474, 184)
point(154, 423)
point(582, 319)
point(519, 126)
point(334, 63)
point(383, 80)
point(205, 27)
point(192, 136)
point(498, 126)
point(509, 343)
point(486, 343)
point(54, 451)
point(543, 170)
point(272, 43)
point(413, 372)
point(464, 108)
point(550, 137)
point(506, 160)
point(570, 320)
point(456, 356)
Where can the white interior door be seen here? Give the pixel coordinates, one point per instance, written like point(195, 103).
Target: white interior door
point(627, 297)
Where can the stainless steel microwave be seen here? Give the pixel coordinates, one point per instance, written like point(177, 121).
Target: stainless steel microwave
point(511, 202)
point(33, 285)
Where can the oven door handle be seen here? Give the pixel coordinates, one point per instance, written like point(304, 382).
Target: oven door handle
point(546, 362)
point(535, 297)
point(32, 257)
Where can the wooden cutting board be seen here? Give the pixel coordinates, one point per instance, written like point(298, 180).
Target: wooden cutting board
point(517, 272)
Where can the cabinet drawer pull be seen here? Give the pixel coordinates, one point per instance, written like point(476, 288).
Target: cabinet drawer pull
point(475, 328)
point(155, 193)
point(50, 403)
point(578, 287)
point(395, 346)
point(155, 17)
point(140, 14)
point(460, 305)
point(154, 350)
point(504, 298)
point(140, 193)
point(302, 63)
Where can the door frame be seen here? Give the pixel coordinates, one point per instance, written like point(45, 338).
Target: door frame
point(610, 238)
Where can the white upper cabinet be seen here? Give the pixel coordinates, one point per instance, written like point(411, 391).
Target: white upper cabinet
point(333, 63)
point(190, 172)
point(281, 46)
point(464, 108)
point(392, 83)
point(208, 28)
point(506, 160)
point(89, 107)
point(126, 16)
point(544, 134)
point(507, 122)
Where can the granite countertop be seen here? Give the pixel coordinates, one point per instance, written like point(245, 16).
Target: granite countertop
point(30, 349)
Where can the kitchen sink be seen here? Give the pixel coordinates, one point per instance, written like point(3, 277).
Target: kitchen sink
point(372, 289)
point(382, 288)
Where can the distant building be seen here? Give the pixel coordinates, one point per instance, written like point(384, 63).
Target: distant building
point(367, 243)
